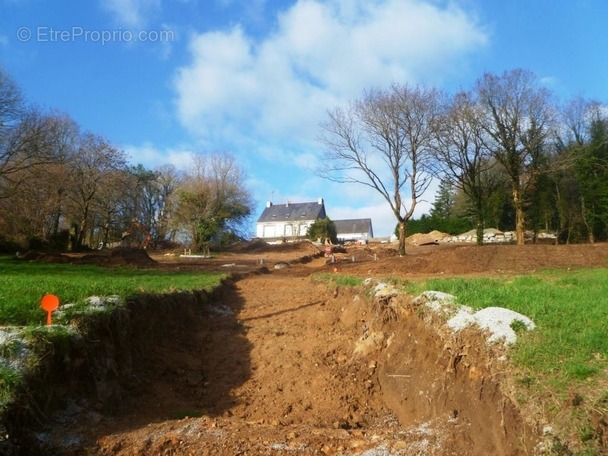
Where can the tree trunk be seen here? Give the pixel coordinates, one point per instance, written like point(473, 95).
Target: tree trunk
point(81, 234)
point(71, 238)
point(520, 230)
point(82, 229)
point(479, 232)
point(106, 235)
point(590, 235)
point(480, 225)
point(563, 221)
point(402, 237)
point(54, 230)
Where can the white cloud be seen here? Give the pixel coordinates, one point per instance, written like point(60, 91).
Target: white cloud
point(320, 54)
point(151, 156)
point(131, 13)
point(263, 98)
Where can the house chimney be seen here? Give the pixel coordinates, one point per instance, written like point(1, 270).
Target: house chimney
point(268, 203)
point(320, 201)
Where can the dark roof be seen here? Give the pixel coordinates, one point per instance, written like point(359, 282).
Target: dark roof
point(293, 211)
point(354, 226)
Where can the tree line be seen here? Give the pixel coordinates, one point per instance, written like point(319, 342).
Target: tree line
point(507, 153)
point(64, 188)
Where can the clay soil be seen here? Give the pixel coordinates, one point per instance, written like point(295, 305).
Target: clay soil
point(283, 363)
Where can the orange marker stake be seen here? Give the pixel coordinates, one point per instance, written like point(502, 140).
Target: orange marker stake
point(49, 303)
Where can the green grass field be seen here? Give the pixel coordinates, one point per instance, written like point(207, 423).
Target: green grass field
point(570, 309)
point(22, 285)
point(561, 367)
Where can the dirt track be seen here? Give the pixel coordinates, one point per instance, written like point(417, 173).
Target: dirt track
point(283, 364)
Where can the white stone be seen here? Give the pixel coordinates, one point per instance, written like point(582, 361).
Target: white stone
point(497, 320)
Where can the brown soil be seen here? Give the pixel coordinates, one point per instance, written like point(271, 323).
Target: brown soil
point(283, 364)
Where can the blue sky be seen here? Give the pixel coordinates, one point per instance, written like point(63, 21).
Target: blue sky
point(163, 79)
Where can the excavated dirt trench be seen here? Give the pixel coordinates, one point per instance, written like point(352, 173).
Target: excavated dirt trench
point(277, 363)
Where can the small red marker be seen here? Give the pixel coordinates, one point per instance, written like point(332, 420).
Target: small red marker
point(49, 303)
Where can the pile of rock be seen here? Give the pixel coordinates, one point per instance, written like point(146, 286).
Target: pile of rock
point(490, 236)
point(497, 323)
point(494, 236)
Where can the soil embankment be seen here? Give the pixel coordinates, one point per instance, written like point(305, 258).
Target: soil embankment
point(278, 363)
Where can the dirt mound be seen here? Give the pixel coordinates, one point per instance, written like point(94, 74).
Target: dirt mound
point(131, 257)
point(43, 257)
point(446, 259)
point(122, 256)
point(255, 245)
point(432, 237)
point(261, 246)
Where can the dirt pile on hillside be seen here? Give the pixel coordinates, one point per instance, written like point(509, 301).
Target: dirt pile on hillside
point(446, 259)
point(432, 237)
point(122, 256)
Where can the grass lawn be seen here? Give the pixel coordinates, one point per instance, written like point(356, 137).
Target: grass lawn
point(561, 366)
point(22, 285)
point(570, 310)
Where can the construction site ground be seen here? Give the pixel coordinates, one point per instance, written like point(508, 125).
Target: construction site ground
point(284, 363)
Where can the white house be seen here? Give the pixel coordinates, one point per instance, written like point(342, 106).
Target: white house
point(354, 229)
point(288, 220)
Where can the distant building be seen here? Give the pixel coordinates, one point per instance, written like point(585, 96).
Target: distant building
point(288, 220)
point(354, 229)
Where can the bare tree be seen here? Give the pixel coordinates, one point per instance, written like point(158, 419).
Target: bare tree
point(167, 182)
point(30, 142)
point(384, 141)
point(517, 120)
point(94, 160)
point(11, 102)
point(33, 190)
point(110, 206)
point(212, 199)
point(577, 116)
point(463, 156)
point(28, 137)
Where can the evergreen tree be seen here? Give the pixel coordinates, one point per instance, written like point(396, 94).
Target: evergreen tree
point(323, 229)
point(444, 200)
point(592, 174)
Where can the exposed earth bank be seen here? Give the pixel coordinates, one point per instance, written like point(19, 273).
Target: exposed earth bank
point(278, 362)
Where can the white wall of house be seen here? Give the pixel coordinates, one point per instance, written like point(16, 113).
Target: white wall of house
point(282, 229)
point(354, 236)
